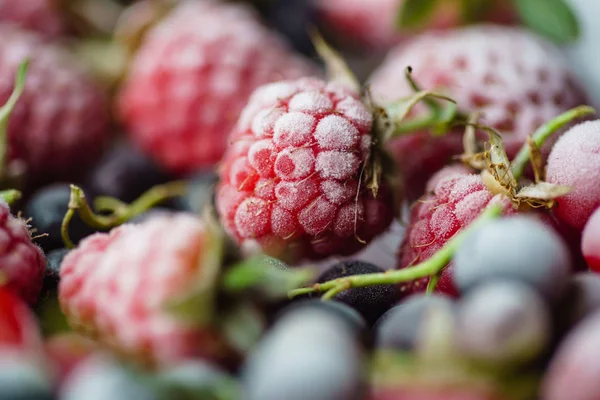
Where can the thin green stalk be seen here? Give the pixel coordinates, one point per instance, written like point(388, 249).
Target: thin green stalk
point(427, 268)
point(544, 132)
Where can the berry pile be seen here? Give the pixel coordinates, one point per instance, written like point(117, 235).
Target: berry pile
point(198, 199)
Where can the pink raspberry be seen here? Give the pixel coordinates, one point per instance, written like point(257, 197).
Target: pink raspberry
point(293, 177)
point(192, 77)
point(118, 286)
point(454, 203)
point(373, 23)
point(516, 79)
point(42, 16)
point(22, 263)
point(575, 161)
point(60, 123)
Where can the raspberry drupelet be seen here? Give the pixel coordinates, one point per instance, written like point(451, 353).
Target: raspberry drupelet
point(293, 180)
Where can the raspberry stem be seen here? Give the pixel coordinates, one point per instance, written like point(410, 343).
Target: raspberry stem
point(7, 109)
point(544, 132)
point(428, 268)
point(121, 214)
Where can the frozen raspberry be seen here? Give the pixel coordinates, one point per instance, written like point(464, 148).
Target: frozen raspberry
point(18, 329)
point(193, 75)
point(292, 175)
point(590, 242)
point(22, 263)
point(517, 80)
point(452, 205)
point(118, 286)
point(60, 121)
point(373, 23)
point(575, 161)
point(42, 16)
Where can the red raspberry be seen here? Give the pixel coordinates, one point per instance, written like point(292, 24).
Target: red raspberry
point(118, 287)
point(590, 242)
point(22, 263)
point(19, 333)
point(575, 161)
point(292, 176)
point(454, 203)
point(61, 119)
point(516, 79)
point(193, 75)
point(42, 16)
point(373, 23)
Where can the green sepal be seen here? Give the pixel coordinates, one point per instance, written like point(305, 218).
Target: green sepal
point(553, 19)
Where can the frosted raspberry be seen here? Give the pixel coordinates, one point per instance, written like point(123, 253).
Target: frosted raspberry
point(22, 263)
point(291, 176)
point(118, 287)
point(61, 119)
point(575, 161)
point(373, 23)
point(517, 80)
point(193, 75)
point(453, 204)
point(41, 16)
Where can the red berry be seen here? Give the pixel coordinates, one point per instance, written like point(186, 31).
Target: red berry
point(452, 205)
point(60, 122)
point(41, 16)
point(292, 176)
point(590, 242)
point(118, 287)
point(22, 263)
point(19, 333)
point(517, 80)
point(193, 75)
point(575, 161)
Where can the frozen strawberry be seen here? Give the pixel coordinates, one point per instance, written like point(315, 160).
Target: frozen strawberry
point(123, 287)
point(192, 76)
point(59, 124)
point(514, 78)
point(293, 180)
point(575, 162)
point(451, 206)
point(42, 16)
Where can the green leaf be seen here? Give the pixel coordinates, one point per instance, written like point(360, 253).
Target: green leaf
point(415, 13)
point(553, 19)
point(264, 274)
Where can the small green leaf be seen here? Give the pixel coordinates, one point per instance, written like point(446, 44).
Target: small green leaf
point(243, 327)
point(268, 276)
point(415, 13)
point(551, 18)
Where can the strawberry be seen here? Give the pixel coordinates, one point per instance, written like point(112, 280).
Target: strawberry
point(294, 177)
point(124, 288)
point(514, 78)
point(192, 76)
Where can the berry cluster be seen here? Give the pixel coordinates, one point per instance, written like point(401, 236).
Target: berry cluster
point(192, 208)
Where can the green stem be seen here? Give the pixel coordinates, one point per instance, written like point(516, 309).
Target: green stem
point(107, 203)
point(544, 132)
point(64, 229)
point(124, 213)
point(10, 195)
point(7, 109)
point(427, 268)
point(433, 105)
point(431, 285)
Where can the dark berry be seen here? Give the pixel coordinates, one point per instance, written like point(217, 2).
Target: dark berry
point(503, 322)
point(125, 173)
point(200, 193)
point(517, 248)
point(310, 353)
point(582, 299)
point(293, 18)
point(47, 208)
point(372, 301)
point(21, 380)
point(53, 260)
point(401, 327)
point(187, 380)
